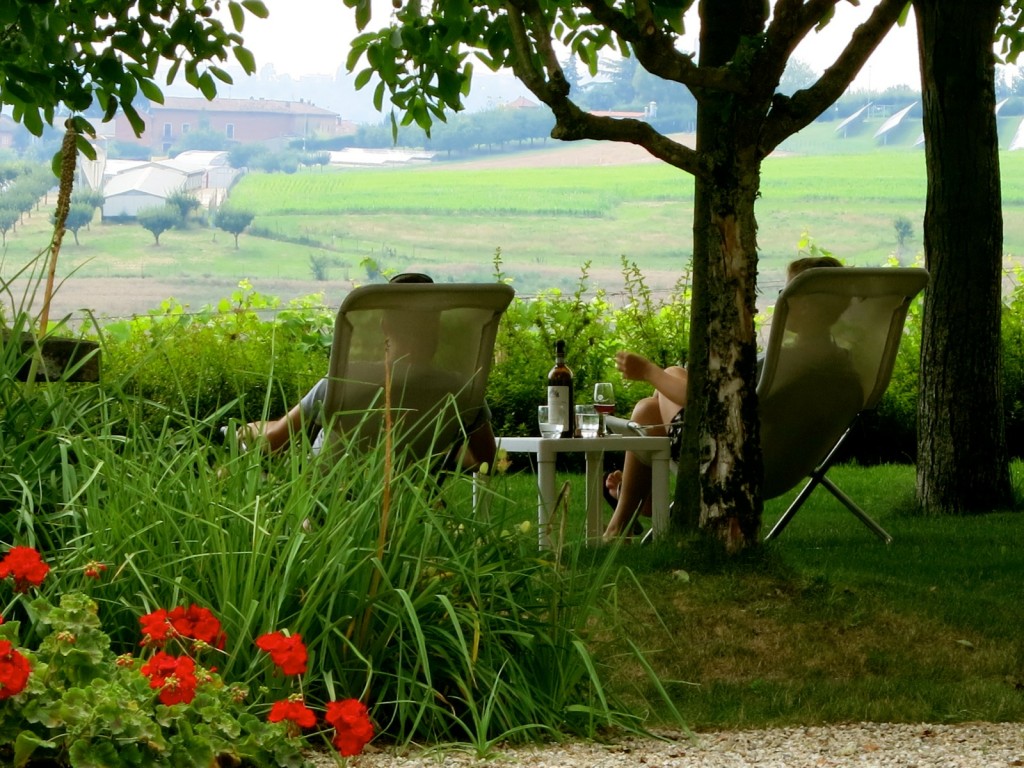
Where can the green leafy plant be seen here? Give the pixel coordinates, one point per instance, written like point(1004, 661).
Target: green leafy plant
point(72, 701)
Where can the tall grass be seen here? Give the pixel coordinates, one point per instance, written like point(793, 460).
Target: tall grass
point(450, 625)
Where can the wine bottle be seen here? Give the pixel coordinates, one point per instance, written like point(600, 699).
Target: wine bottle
point(560, 395)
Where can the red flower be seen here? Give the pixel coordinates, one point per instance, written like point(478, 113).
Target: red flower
point(94, 569)
point(287, 652)
point(173, 675)
point(192, 622)
point(155, 627)
point(352, 727)
point(294, 711)
point(199, 624)
point(14, 671)
point(26, 566)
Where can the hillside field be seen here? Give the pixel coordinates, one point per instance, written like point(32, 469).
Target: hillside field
point(550, 211)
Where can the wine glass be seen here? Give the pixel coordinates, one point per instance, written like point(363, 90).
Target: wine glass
point(604, 402)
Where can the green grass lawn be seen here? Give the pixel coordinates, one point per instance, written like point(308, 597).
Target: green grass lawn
point(825, 624)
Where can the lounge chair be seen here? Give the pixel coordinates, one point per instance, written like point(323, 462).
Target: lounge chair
point(808, 402)
point(830, 354)
point(417, 354)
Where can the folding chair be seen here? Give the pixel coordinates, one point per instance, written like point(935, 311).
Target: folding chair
point(810, 394)
point(831, 349)
point(420, 353)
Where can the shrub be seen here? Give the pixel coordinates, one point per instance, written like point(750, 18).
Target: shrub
point(229, 360)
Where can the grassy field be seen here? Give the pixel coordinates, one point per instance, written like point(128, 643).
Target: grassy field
point(826, 624)
point(547, 216)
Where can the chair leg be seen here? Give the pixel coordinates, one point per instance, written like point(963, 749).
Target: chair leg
point(878, 530)
point(817, 477)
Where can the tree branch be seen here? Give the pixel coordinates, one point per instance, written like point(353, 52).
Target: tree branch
point(571, 122)
point(789, 114)
point(656, 51)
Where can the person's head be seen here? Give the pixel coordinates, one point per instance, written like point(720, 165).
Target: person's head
point(410, 277)
point(810, 316)
point(810, 262)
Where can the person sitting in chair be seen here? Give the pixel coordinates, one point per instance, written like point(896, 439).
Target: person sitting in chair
point(409, 355)
point(662, 414)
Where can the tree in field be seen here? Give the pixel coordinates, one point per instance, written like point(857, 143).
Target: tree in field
point(962, 459)
point(185, 202)
point(745, 46)
point(904, 231)
point(158, 219)
point(9, 217)
point(79, 215)
point(797, 75)
point(105, 54)
point(234, 221)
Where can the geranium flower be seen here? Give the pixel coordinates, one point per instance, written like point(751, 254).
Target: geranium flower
point(26, 566)
point(94, 570)
point(173, 675)
point(292, 710)
point(155, 627)
point(14, 671)
point(198, 624)
point(352, 727)
point(287, 652)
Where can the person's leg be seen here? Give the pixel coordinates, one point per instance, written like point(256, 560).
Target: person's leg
point(479, 449)
point(635, 489)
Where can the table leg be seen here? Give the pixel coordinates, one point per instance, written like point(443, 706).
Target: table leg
point(545, 497)
point(595, 498)
point(659, 492)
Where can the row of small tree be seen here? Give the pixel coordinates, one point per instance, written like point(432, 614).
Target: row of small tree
point(24, 186)
point(179, 211)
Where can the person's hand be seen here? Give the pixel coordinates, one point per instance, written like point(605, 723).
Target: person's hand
point(251, 434)
point(632, 366)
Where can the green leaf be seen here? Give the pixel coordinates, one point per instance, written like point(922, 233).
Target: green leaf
point(363, 14)
point(85, 146)
point(33, 121)
point(363, 78)
point(256, 8)
point(134, 119)
point(26, 743)
point(237, 15)
point(221, 75)
point(245, 58)
point(151, 90)
point(207, 86)
point(172, 73)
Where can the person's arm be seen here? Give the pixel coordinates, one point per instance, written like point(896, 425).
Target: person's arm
point(671, 383)
point(273, 435)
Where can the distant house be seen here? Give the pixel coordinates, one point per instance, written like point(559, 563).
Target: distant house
point(649, 112)
point(522, 103)
point(215, 166)
point(131, 185)
point(146, 185)
point(241, 120)
point(8, 129)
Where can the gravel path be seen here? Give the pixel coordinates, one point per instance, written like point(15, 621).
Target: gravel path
point(866, 745)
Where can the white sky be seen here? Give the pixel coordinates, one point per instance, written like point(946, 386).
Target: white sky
point(311, 37)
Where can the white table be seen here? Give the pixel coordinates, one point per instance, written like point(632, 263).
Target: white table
point(655, 449)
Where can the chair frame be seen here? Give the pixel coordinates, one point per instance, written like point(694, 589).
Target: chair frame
point(491, 299)
point(904, 283)
point(901, 283)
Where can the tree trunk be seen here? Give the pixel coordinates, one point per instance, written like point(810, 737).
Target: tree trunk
point(721, 451)
point(962, 463)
